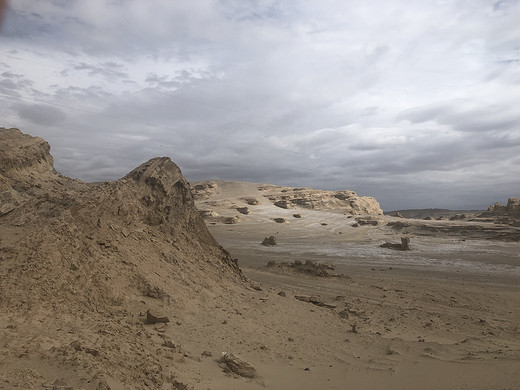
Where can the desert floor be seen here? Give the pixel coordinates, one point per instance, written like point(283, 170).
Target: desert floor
point(444, 315)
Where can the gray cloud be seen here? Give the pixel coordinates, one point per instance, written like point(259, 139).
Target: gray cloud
point(107, 69)
point(40, 114)
point(413, 103)
point(470, 119)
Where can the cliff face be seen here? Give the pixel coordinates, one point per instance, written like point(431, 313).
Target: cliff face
point(22, 154)
point(307, 198)
point(94, 256)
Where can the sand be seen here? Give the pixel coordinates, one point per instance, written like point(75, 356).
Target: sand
point(441, 316)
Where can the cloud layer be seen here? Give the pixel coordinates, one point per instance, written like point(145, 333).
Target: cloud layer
point(415, 103)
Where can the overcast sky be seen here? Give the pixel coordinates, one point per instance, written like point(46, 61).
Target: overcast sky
point(414, 102)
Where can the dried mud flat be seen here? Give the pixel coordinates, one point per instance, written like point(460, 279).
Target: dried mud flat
point(120, 286)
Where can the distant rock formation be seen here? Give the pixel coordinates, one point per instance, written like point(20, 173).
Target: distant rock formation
point(307, 198)
point(229, 193)
point(498, 209)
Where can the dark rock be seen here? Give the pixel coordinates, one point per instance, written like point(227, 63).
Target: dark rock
point(251, 201)
point(367, 221)
point(154, 318)
point(403, 246)
point(243, 210)
point(269, 241)
point(231, 220)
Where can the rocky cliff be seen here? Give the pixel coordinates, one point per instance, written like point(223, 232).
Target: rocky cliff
point(347, 202)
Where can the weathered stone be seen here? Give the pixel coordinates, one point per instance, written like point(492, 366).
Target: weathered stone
point(243, 210)
point(231, 363)
point(231, 220)
point(155, 318)
point(403, 246)
point(269, 241)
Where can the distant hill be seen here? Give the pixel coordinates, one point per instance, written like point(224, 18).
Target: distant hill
point(434, 213)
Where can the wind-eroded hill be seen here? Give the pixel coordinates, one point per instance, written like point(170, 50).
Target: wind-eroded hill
point(80, 264)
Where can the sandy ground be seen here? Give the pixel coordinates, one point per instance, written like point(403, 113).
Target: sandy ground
point(443, 315)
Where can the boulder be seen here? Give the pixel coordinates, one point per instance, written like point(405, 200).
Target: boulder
point(269, 241)
point(155, 318)
point(236, 365)
point(403, 246)
point(243, 210)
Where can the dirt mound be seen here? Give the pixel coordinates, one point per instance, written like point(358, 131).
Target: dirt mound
point(81, 264)
point(311, 268)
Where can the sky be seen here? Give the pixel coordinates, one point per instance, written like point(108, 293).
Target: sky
point(416, 103)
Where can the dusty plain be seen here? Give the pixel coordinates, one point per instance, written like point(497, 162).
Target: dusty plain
point(443, 315)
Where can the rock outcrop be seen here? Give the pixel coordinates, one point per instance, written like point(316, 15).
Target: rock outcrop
point(504, 214)
point(218, 193)
point(307, 198)
point(498, 209)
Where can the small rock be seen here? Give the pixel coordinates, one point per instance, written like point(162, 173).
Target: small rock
point(282, 293)
point(168, 344)
point(236, 365)
point(207, 354)
point(91, 351)
point(231, 220)
point(243, 210)
point(154, 318)
point(269, 241)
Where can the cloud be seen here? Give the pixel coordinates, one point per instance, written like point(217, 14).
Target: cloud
point(40, 114)
point(411, 102)
point(107, 69)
